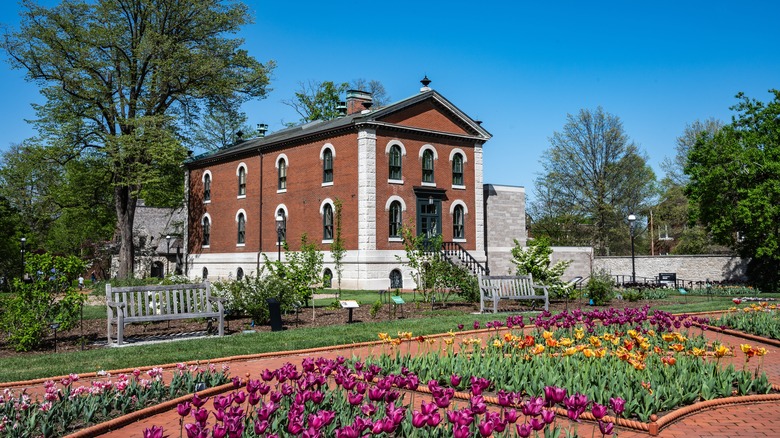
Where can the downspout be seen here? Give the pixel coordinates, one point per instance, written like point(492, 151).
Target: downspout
point(186, 237)
point(260, 219)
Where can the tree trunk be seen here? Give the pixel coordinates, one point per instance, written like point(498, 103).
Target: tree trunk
point(125, 203)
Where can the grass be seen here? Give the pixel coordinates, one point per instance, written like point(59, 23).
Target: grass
point(52, 364)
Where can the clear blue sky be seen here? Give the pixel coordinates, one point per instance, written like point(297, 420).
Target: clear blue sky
point(519, 68)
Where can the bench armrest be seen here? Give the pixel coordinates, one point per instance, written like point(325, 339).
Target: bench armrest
point(115, 304)
point(217, 299)
point(542, 287)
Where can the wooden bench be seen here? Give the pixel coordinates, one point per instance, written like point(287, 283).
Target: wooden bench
point(510, 287)
point(126, 305)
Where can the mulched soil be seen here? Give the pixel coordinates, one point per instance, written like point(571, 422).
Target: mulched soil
point(92, 333)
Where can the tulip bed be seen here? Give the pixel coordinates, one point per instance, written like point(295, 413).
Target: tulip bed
point(642, 358)
point(760, 319)
point(67, 407)
point(333, 398)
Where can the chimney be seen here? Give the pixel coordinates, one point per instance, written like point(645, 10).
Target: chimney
point(262, 128)
point(356, 101)
point(342, 108)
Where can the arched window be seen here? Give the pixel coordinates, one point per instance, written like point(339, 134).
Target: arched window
point(242, 181)
point(240, 274)
point(458, 231)
point(207, 187)
point(241, 228)
point(281, 229)
point(206, 231)
point(282, 174)
point(396, 279)
point(327, 222)
point(457, 170)
point(205, 273)
point(395, 219)
point(327, 166)
point(395, 162)
point(327, 278)
point(427, 166)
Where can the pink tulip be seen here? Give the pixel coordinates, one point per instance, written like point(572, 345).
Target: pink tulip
point(523, 430)
point(511, 416)
point(154, 432)
point(183, 409)
point(485, 428)
point(459, 431)
point(606, 428)
point(260, 427)
point(455, 380)
point(598, 411)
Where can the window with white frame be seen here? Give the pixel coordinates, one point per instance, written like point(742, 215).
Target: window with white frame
point(207, 187)
point(427, 166)
point(242, 181)
point(206, 231)
point(395, 219)
point(241, 229)
point(282, 174)
point(395, 163)
point(458, 228)
point(457, 170)
point(327, 222)
point(327, 166)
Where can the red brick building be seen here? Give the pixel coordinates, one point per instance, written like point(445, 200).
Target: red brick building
point(417, 162)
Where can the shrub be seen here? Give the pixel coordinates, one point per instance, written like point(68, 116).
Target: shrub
point(632, 294)
point(535, 261)
point(48, 298)
point(248, 296)
point(600, 288)
point(375, 309)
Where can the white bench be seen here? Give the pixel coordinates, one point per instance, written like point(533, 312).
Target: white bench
point(126, 305)
point(510, 287)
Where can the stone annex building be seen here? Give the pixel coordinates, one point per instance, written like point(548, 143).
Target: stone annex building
point(416, 162)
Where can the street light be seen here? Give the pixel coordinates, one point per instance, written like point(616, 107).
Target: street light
point(631, 220)
point(24, 242)
point(279, 232)
point(167, 262)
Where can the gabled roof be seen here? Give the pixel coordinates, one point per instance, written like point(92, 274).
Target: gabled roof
point(323, 128)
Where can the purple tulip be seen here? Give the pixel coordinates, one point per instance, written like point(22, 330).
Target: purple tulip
point(200, 415)
point(598, 411)
point(368, 409)
point(617, 404)
point(154, 432)
point(261, 427)
point(197, 401)
point(460, 431)
point(347, 432)
point(419, 419)
point(476, 325)
point(511, 416)
point(485, 428)
point(548, 415)
point(504, 398)
point(606, 427)
point(183, 409)
point(455, 380)
point(523, 430)
point(219, 431)
point(537, 424)
point(221, 402)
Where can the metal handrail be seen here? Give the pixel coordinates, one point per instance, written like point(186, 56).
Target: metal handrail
point(456, 250)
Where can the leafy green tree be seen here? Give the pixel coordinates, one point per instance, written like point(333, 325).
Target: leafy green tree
point(119, 79)
point(10, 244)
point(219, 128)
point(536, 260)
point(320, 100)
point(593, 172)
point(734, 176)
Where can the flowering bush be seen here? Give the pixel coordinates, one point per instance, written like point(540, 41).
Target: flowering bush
point(760, 319)
point(66, 407)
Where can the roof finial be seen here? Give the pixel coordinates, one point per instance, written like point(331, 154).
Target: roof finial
point(425, 81)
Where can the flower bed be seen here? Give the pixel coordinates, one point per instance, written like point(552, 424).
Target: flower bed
point(639, 357)
point(67, 407)
point(760, 319)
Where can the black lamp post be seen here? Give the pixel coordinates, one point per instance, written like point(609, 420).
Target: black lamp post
point(631, 220)
point(24, 261)
point(279, 232)
point(167, 252)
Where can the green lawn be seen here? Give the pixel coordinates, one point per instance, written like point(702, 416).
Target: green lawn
point(53, 364)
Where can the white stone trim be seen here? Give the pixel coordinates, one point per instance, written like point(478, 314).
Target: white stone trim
point(395, 198)
point(238, 168)
point(428, 184)
point(322, 206)
point(241, 210)
point(367, 190)
point(458, 187)
point(427, 147)
point(395, 239)
point(461, 203)
point(282, 157)
point(459, 151)
point(401, 145)
point(205, 216)
point(395, 181)
point(327, 146)
point(283, 207)
point(203, 177)
point(459, 240)
point(479, 220)
point(325, 184)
